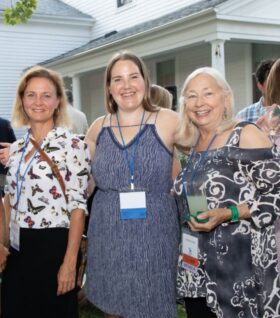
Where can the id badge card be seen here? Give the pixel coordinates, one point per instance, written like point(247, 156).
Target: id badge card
point(14, 234)
point(190, 251)
point(133, 205)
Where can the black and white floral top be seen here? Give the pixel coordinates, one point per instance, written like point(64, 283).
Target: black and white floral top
point(41, 202)
point(238, 261)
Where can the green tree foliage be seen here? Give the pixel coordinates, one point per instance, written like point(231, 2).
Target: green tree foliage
point(20, 13)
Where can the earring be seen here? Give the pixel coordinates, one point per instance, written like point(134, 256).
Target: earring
point(225, 115)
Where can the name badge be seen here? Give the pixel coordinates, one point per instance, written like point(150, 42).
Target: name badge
point(190, 259)
point(133, 205)
point(14, 234)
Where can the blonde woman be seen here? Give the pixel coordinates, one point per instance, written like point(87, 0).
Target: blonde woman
point(46, 216)
point(229, 198)
point(161, 97)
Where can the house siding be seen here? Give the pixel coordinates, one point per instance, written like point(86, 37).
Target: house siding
point(109, 18)
point(24, 45)
point(185, 38)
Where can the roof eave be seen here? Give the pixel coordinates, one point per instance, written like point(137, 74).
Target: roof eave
point(257, 20)
point(56, 19)
point(144, 33)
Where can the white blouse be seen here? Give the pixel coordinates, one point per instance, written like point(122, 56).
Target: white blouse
point(36, 196)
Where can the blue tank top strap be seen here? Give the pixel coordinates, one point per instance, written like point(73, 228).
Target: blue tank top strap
point(148, 117)
point(104, 120)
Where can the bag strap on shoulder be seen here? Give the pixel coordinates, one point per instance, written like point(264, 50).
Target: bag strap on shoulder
point(52, 165)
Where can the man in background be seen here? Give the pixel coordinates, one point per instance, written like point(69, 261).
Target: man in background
point(253, 112)
point(78, 118)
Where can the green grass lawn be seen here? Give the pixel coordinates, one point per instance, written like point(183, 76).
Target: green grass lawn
point(89, 311)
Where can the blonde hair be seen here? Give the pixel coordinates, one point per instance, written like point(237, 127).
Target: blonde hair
point(110, 103)
point(187, 132)
point(60, 116)
point(161, 97)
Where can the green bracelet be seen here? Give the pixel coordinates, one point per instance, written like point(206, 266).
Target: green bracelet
point(234, 213)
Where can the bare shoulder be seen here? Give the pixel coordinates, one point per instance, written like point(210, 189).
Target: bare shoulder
point(168, 116)
point(166, 125)
point(252, 137)
point(94, 129)
point(93, 133)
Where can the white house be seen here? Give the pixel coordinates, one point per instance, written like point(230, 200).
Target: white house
point(174, 38)
point(53, 29)
point(77, 38)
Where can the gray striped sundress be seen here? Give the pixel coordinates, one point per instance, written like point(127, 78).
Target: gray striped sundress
point(131, 268)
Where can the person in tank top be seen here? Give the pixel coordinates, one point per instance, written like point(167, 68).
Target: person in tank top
point(133, 232)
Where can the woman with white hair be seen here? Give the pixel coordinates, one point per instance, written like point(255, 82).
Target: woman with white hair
point(229, 197)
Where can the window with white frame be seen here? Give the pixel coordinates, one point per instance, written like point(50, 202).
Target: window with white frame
point(121, 3)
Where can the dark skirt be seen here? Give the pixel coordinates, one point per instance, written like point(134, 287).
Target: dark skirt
point(29, 283)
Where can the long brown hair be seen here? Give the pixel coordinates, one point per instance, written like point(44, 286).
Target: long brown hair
point(110, 103)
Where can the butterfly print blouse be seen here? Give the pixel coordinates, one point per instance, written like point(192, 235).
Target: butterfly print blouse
point(41, 202)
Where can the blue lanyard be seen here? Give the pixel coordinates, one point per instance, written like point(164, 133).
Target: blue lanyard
point(201, 160)
point(19, 184)
point(131, 162)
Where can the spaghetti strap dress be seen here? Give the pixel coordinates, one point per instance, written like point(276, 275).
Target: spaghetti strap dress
point(131, 269)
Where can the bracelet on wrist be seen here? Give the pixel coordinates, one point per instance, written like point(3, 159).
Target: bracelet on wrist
point(234, 213)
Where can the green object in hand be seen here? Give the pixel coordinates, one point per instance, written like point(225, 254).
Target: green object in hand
point(195, 216)
point(202, 221)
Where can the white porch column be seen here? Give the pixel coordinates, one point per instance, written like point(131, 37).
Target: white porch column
point(218, 55)
point(76, 87)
